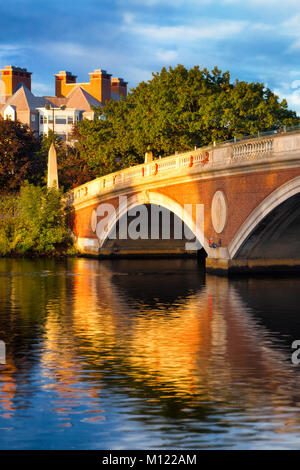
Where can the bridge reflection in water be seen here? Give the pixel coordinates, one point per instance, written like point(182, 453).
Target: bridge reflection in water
point(145, 354)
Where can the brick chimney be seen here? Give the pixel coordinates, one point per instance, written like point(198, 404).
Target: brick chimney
point(62, 80)
point(11, 77)
point(119, 86)
point(100, 85)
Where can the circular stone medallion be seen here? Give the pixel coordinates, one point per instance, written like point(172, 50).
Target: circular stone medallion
point(219, 211)
point(94, 221)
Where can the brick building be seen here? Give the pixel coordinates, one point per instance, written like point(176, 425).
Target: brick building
point(72, 101)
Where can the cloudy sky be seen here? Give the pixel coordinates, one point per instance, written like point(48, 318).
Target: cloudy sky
point(256, 40)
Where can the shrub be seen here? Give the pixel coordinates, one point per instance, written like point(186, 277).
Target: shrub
point(41, 224)
point(34, 222)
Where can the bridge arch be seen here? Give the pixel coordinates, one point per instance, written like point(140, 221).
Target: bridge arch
point(272, 202)
point(159, 199)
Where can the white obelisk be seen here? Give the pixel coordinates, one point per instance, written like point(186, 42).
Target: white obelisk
point(148, 155)
point(52, 168)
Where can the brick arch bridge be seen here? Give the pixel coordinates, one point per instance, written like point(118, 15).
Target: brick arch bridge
point(241, 200)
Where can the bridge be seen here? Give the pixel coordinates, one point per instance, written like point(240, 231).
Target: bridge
point(239, 200)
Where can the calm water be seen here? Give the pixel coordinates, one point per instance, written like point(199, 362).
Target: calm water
point(146, 354)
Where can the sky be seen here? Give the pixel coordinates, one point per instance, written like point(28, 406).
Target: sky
point(255, 40)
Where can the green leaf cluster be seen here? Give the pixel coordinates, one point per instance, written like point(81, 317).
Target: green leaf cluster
point(175, 111)
point(19, 158)
point(37, 224)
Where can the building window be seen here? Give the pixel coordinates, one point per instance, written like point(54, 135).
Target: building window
point(70, 119)
point(33, 118)
point(42, 119)
point(60, 120)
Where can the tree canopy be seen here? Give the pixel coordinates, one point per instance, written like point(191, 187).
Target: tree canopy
point(24, 156)
point(175, 111)
point(19, 159)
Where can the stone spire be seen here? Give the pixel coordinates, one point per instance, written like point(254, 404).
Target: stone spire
point(52, 168)
point(148, 155)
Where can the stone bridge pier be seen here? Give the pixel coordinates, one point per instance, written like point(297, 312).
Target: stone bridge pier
point(240, 201)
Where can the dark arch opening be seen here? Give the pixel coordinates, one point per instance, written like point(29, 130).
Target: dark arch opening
point(277, 235)
point(160, 233)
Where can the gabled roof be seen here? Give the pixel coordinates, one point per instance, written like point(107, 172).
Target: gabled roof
point(57, 101)
point(80, 99)
point(24, 100)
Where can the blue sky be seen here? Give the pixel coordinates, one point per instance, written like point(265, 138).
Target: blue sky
point(255, 40)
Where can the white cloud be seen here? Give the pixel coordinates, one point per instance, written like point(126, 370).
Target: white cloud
point(262, 27)
point(167, 55)
point(210, 29)
point(290, 28)
point(266, 3)
point(292, 97)
point(70, 53)
point(128, 17)
point(295, 84)
point(9, 50)
point(170, 3)
point(294, 46)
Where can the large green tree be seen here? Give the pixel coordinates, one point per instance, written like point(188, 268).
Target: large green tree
point(19, 159)
point(175, 111)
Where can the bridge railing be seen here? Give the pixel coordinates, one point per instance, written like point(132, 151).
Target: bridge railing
point(203, 159)
point(140, 172)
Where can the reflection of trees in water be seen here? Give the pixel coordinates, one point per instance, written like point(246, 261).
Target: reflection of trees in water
point(276, 303)
point(197, 345)
point(25, 291)
point(157, 283)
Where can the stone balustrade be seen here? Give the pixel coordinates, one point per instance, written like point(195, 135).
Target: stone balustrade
point(213, 158)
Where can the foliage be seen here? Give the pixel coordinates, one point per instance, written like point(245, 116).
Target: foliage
point(8, 212)
point(103, 143)
point(37, 223)
point(175, 111)
point(73, 170)
point(23, 157)
point(19, 159)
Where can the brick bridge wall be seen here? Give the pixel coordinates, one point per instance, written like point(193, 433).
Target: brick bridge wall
point(246, 179)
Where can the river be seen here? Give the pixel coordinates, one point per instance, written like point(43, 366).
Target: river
point(146, 354)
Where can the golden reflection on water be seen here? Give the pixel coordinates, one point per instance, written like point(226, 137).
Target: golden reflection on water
point(204, 347)
point(200, 343)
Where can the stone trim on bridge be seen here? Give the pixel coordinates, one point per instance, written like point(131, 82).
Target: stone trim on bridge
point(152, 197)
point(272, 201)
point(238, 184)
point(223, 159)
